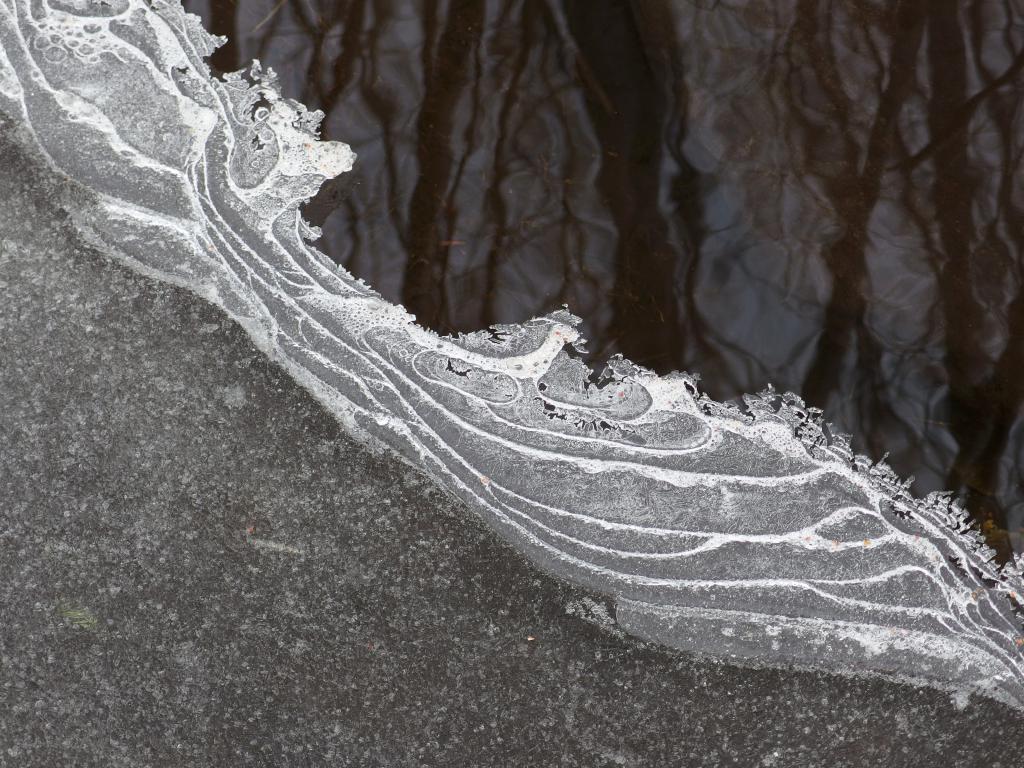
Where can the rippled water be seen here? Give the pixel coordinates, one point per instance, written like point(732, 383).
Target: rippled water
point(824, 196)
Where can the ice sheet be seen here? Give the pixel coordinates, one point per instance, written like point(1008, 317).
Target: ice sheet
point(750, 533)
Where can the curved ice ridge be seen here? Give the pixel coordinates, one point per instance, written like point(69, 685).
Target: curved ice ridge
point(751, 534)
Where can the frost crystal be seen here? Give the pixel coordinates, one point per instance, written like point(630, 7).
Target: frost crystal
point(751, 534)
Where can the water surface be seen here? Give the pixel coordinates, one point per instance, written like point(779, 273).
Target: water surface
point(824, 196)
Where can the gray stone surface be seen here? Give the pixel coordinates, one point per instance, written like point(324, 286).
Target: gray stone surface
point(199, 568)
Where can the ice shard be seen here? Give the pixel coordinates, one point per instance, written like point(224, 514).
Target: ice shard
point(748, 533)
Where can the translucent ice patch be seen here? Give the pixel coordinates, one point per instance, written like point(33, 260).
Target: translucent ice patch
point(752, 534)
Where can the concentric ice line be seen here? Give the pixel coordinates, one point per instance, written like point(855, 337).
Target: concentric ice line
point(750, 533)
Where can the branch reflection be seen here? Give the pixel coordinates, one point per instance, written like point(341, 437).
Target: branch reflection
point(822, 195)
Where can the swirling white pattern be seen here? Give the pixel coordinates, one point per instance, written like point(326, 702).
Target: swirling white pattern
point(751, 534)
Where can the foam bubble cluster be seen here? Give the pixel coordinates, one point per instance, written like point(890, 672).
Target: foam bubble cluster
point(749, 533)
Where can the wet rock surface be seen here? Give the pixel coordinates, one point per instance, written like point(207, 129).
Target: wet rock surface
point(199, 567)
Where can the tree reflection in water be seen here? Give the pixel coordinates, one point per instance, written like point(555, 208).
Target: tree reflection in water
point(822, 195)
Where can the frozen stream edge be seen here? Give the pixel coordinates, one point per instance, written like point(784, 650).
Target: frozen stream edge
point(753, 534)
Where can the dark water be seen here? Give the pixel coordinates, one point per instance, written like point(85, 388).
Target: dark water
point(826, 196)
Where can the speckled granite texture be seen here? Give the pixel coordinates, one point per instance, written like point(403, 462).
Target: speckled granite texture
point(199, 568)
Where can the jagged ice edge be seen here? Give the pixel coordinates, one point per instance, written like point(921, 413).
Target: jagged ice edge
point(817, 437)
